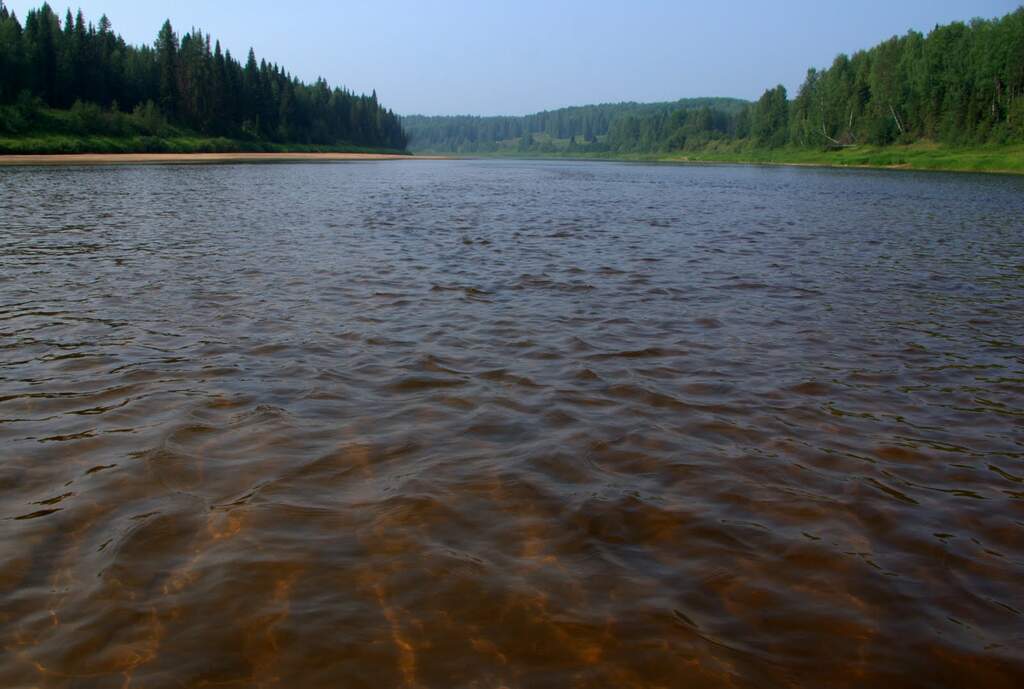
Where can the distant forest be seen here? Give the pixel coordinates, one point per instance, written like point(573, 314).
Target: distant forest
point(116, 89)
point(962, 84)
point(468, 133)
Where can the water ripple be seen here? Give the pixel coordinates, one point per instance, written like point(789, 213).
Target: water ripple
point(510, 424)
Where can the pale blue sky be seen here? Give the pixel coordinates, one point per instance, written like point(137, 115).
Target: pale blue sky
point(492, 57)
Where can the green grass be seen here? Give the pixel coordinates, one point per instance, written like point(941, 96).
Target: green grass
point(88, 129)
point(921, 156)
point(62, 143)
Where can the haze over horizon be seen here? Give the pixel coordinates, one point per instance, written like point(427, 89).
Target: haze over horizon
point(525, 57)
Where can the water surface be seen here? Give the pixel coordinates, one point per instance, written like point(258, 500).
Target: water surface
point(510, 424)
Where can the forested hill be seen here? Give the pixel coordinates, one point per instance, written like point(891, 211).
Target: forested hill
point(471, 134)
point(961, 85)
point(184, 83)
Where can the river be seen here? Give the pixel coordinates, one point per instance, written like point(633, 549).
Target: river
point(510, 424)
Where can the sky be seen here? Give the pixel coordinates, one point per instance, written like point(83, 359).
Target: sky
point(491, 57)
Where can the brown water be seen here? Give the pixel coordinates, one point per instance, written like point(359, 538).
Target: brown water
point(501, 424)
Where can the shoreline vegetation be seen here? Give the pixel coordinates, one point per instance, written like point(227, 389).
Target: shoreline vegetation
point(194, 158)
point(951, 99)
point(919, 157)
point(43, 144)
point(1004, 160)
point(913, 157)
point(72, 86)
point(916, 157)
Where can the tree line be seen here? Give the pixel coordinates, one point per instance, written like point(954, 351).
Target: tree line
point(185, 80)
point(962, 84)
point(581, 125)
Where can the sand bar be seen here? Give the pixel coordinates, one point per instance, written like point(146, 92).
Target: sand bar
point(180, 158)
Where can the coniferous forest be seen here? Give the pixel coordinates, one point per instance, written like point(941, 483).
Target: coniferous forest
point(962, 84)
point(77, 78)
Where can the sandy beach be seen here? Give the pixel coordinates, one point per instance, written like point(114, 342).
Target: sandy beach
point(179, 158)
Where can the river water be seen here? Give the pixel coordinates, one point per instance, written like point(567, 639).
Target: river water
point(510, 424)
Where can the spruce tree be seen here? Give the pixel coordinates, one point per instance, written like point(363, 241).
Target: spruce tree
point(167, 61)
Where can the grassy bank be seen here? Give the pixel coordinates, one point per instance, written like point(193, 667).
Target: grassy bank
point(58, 143)
point(30, 129)
point(920, 156)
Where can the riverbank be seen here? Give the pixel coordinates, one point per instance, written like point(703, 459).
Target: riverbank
point(1004, 160)
point(30, 128)
point(90, 130)
point(1007, 159)
point(192, 158)
point(60, 144)
point(923, 156)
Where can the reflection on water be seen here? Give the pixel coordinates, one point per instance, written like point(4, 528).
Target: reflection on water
point(482, 424)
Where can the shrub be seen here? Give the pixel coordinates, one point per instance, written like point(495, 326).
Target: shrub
point(28, 106)
point(87, 118)
point(11, 120)
point(148, 119)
